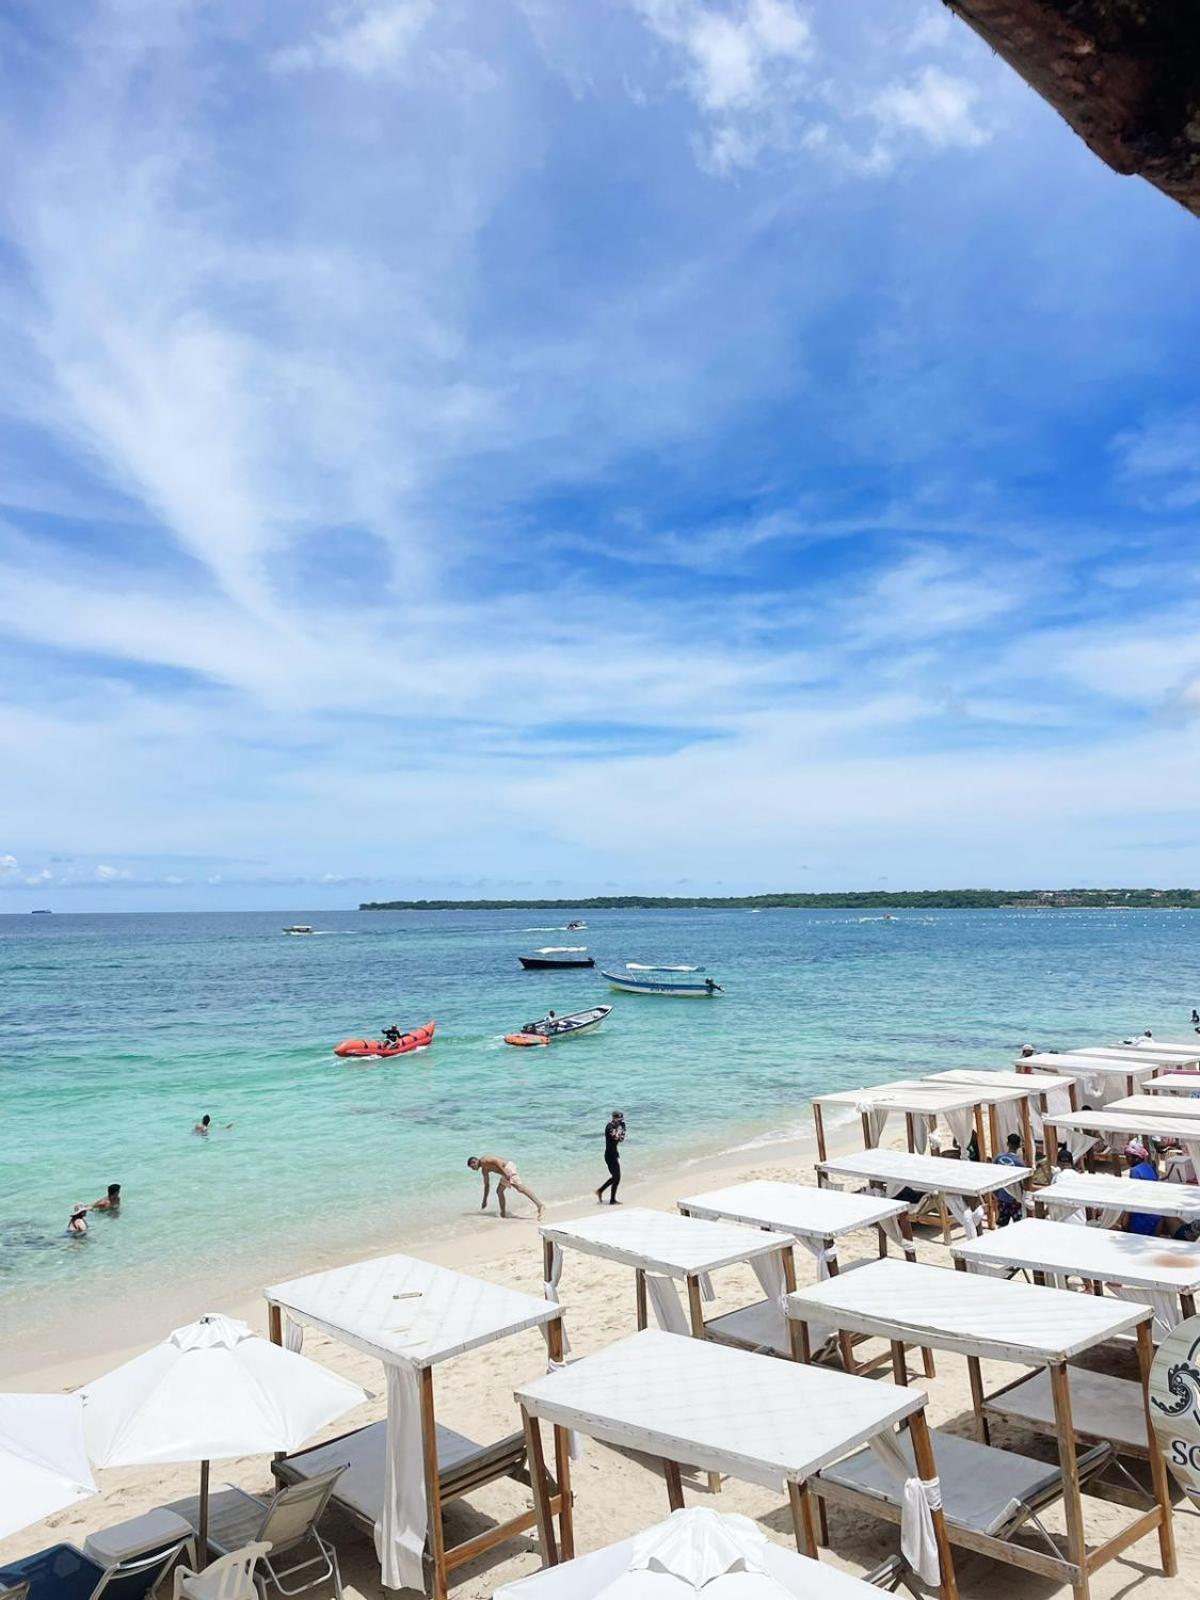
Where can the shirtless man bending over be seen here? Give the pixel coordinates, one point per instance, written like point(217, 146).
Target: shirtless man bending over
point(506, 1176)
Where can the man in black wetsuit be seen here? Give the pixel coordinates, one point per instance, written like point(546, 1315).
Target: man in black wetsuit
point(614, 1137)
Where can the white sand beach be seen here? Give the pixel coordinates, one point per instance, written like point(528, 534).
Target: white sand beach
point(616, 1494)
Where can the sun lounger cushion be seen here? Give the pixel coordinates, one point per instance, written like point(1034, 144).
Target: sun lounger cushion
point(1102, 1407)
point(364, 1455)
point(982, 1487)
point(234, 1517)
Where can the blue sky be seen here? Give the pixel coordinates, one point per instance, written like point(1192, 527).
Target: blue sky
point(580, 446)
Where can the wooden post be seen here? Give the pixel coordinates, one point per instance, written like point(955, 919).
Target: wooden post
point(993, 1131)
point(899, 1366)
point(982, 1431)
point(202, 1519)
point(803, 1526)
point(1029, 1148)
point(435, 1535)
point(1072, 1504)
point(639, 1279)
point(541, 1497)
point(562, 1455)
point(866, 1131)
point(918, 1432)
point(1187, 1302)
point(275, 1323)
point(819, 1127)
point(1158, 1467)
point(989, 1200)
point(910, 1133)
point(844, 1342)
point(674, 1485)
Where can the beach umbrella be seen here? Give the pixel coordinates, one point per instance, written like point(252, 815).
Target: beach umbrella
point(694, 1552)
point(212, 1390)
point(43, 1463)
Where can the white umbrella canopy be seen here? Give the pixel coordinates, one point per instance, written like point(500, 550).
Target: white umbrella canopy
point(214, 1389)
point(43, 1463)
point(715, 1555)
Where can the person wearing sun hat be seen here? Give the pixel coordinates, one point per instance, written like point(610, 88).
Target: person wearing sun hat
point(77, 1226)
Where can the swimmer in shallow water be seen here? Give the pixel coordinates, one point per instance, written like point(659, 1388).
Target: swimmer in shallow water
point(110, 1201)
point(77, 1226)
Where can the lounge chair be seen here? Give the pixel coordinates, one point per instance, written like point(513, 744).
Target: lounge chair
point(463, 1466)
point(988, 1495)
point(284, 1523)
point(63, 1572)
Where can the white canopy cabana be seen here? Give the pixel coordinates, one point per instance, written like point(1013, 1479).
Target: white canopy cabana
point(695, 1551)
point(1154, 1105)
point(1152, 1050)
point(43, 1463)
point(1185, 1083)
point(962, 1185)
point(1100, 1078)
point(664, 1248)
point(687, 1402)
point(1109, 1125)
point(411, 1316)
point(1175, 1046)
point(817, 1218)
point(921, 1104)
point(988, 1493)
point(1111, 1197)
point(1163, 1274)
point(1042, 1091)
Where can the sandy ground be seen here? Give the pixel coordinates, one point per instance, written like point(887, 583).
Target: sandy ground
point(616, 1494)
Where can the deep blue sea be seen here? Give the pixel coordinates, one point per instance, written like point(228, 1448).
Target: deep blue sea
point(118, 1032)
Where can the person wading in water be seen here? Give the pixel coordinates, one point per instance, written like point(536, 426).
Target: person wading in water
point(614, 1138)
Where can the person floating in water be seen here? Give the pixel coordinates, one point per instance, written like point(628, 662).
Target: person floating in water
point(77, 1226)
point(110, 1201)
point(203, 1126)
point(1195, 1015)
point(614, 1138)
point(507, 1177)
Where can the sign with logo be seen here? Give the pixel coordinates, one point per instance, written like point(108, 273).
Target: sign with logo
point(1175, 1402)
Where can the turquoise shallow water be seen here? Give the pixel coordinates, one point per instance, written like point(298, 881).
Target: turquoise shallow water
point(117, 1032)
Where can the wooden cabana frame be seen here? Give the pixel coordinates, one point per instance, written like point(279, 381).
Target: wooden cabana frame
point(691, 1403)
point(994, 1319)
point(1108, 1124)
point(359, 1305)
point(936, 1175)
point(820, 1216)
point(1101, 1191)
point(912, 1098)
point(1185, 1083)
point(1116, 1075)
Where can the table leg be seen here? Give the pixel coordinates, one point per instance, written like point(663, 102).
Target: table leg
point(803, 1522)
point(1072, 1501)
point(674, 1485)
point(1158, 1467)
point(918, 1432)
point(435, 1537)
point(541, 1494)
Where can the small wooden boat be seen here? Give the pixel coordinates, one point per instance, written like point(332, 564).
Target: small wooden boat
point(299, 927)
point(571, 926)
point(419, 1039)
point(550, 1027)
point(683, 988)
point(558, 955)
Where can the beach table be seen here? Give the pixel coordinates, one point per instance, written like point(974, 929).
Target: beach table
point(1173, 1082)
point(816, 1218)
point(412, 1316)
point(1111, 1197)
point(1165, 1271)
point(989, 1494)
point(690, 1403)
point(1100, 1078)
point(1109, 1124)
point(959, 1186)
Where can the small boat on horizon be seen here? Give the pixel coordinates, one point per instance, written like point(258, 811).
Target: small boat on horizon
point(550, 1027)
point(641, 966)
point(571, 926)
point(299, 927)
point(685, 988)
point(553, 956)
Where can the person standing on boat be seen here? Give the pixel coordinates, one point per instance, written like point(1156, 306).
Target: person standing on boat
point(614, 1138)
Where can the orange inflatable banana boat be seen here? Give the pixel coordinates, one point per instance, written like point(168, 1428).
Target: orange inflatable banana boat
point(404, 1045)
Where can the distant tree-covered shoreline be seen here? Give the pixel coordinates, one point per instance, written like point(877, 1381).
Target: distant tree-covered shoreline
point(908, 899)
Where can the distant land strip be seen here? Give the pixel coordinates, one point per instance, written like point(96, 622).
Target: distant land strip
point(908, 899)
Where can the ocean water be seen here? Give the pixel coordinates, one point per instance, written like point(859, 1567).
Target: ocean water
point(118, 1032)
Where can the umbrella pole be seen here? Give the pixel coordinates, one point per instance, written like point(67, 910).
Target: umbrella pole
point(202, 1552)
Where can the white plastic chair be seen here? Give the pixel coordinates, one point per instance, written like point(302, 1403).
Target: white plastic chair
point(230, 1577)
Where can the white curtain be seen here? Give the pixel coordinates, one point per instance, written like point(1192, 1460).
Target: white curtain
point(891, 1227)
point(876, 1120)
point(293, 1335)
point(962, 1126)
point(1165, 1306)
point(965, 1214)
point(1008, 1119)
point(920, 1498)
point(824, 1258)
point(666, 1304)
point(921, 1134)
point(400, 1531)
point(550, 1286)
point(1108, 1217)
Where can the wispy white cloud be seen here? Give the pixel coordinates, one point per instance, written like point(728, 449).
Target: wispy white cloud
point(938, 106)
point(368, 38)
point(1159, 460)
